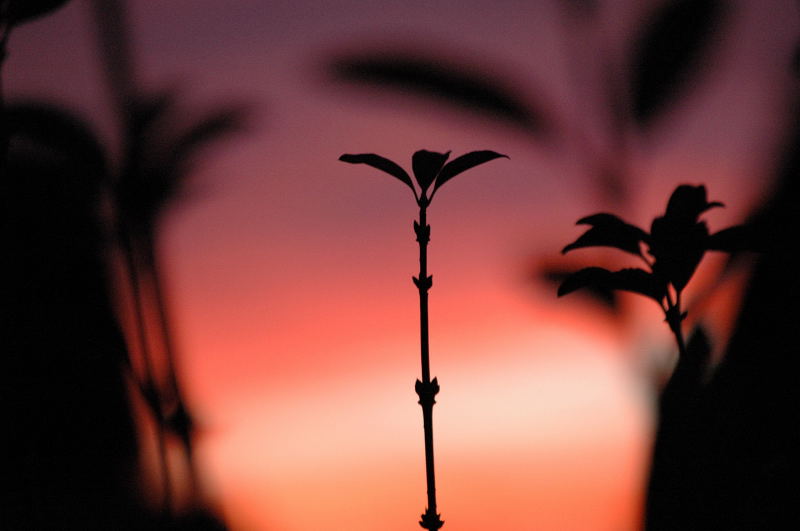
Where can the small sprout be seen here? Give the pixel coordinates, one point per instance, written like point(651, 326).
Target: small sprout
point(676, 244)
point(430, 170)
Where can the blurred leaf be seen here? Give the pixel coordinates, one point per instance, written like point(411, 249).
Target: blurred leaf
point(116, 54)
point(463, 163)
point(609, 231)
point(21, 11)
point(634, 280)
point(605, 296)
point(167, 159)
point(381, 163)
point(667, 52)
point(432, 77)
point(732, 240)
point(159, 154)
point(51, 134)
point(426, 166)
point(204, 131)
point(147, 111)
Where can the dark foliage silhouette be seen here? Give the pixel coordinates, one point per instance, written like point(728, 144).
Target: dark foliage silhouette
point(675, 245)
point(70, 369)
point(66, 207)
point(726, 453)
point(429, 169)
point(14, 13)
point(72, 447)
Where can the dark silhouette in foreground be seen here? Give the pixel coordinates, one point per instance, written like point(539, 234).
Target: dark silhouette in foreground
point(71, 456)
point(75, 378)
point(728, 442)
point(429, 170)
point(73, 459)
point(674, 247)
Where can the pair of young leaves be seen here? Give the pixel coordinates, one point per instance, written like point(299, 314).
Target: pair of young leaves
point(429, 168)
point(677, 242)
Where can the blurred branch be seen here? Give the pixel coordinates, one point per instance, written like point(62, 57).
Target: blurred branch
point(433, 77)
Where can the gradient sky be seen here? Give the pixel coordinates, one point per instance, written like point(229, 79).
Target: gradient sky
point(290, 272)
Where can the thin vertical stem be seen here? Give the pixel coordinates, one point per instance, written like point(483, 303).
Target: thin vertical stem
point(175, 398)
point(150, 387)
point(423, 236)
point(427, 388)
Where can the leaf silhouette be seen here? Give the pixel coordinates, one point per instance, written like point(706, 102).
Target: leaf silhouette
point(677, 239)
point(558, 274)
point(633, 279)
point(381, 163)
point(463, 163)
point(45, 129)
point(687, 202)
point(21, 11)
point(609, 231)
point(426, 166)
point(670, 48)
point(732, 239)
point(433, 77)
point(678, 248)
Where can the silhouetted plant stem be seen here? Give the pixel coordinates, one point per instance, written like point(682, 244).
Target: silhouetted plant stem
point(149, 387)
point(430, 173)
point(426, 389)
point(422, 230)
point(180, 420)
point(114, 37)
point(674, 319)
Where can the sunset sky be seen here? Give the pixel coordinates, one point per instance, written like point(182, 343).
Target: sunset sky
point(290, 272)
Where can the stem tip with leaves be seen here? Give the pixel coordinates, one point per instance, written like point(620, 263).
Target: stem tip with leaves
point(430, 173)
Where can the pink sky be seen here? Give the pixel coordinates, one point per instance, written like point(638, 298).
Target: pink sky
point(290, 272)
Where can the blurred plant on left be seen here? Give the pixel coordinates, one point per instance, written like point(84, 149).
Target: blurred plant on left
point(159, 146)
point(159, 155)
point(81, 338)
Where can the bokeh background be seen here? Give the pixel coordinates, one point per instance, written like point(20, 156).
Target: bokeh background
point(289, 273)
